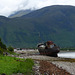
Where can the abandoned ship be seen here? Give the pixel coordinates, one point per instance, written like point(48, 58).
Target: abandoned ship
point(48, 48)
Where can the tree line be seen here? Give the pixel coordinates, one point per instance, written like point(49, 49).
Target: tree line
point(3, 48)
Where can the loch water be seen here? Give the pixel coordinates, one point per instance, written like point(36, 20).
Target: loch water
point(67, 54)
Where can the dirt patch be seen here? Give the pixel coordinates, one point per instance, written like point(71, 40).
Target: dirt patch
point(47, 68)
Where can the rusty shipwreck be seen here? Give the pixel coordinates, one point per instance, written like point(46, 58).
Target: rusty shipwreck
point(48, 48)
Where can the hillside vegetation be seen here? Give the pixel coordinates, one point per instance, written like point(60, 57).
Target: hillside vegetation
point(56, 23)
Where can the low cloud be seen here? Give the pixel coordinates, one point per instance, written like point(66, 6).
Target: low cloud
point(9, 6)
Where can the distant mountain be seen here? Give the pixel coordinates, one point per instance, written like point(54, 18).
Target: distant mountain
point(56, 23)
point(20, 13)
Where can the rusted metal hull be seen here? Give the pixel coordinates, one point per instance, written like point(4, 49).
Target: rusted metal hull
point(48, 48)
point(49, 52)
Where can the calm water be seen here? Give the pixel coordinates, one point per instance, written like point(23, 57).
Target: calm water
point(67, 54)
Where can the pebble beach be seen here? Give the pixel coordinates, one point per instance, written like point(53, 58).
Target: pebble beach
point(65, 66)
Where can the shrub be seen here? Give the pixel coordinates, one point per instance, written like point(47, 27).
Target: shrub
point(1, 50)
point(3, 46)
point(10, 49)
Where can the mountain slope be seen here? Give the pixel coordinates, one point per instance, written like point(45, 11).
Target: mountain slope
point(20, 13)
point(56, 23)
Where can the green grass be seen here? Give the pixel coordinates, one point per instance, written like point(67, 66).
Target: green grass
point(12, 65)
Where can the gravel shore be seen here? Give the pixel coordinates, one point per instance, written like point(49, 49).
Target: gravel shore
point(68, 66)
point(47, 68)
point(50, 65)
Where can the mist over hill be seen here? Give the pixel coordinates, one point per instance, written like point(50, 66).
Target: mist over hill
point(56, 23)
point(20, 13)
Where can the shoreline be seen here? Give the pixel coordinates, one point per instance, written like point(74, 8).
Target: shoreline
point(67, 64)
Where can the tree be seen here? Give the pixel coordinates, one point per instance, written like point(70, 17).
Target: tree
point(1, 50)
point(3, 46)
point(10, 49)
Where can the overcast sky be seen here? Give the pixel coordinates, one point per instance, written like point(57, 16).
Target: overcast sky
point(9, 6)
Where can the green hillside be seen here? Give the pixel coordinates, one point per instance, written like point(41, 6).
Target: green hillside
point(56, 23)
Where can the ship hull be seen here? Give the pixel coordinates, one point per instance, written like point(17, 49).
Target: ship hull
point(48, 48)
point(49, 52)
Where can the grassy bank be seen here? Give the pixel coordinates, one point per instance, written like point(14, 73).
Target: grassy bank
point(12, 65)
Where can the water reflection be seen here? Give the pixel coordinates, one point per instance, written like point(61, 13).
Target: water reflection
point(67, 54)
